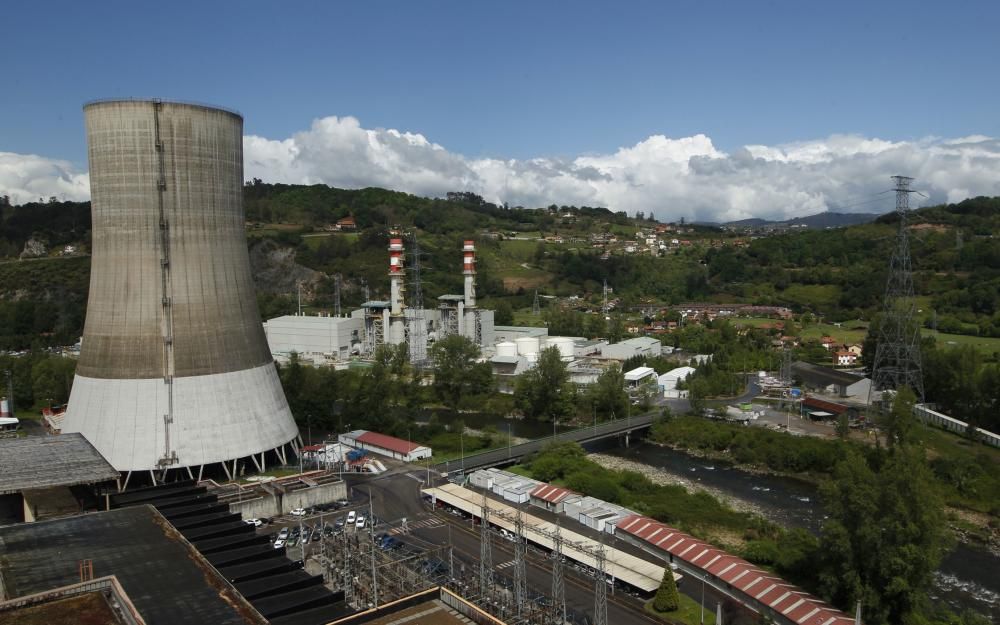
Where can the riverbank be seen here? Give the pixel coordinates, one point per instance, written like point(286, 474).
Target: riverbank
point(661, 477)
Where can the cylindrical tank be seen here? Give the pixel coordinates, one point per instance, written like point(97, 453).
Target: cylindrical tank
point(174, 370)
point(564, 344)
point(506, 348)
point(527, 345)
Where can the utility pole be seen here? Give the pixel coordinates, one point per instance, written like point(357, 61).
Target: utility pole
point(336, 295)
point(600, 588)
point(604, 306)
point(371, 516)
point(520, 572)
point(485, 552)
point(897, 357)
point(558, 578)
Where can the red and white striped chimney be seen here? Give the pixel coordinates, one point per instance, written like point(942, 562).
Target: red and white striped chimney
point(396, 276)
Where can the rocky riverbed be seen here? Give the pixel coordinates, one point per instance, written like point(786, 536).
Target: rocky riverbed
point(659, 476)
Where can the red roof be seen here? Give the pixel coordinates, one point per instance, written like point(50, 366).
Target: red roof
point(755, 583)
point(828, 406)
point(385, 441)
point(312, 448)
point(551, 494)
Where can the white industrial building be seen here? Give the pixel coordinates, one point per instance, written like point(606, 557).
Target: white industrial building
point(316, 338)
point(385, 445)
point(638, 346)
point(668, 382)
point(639, 376)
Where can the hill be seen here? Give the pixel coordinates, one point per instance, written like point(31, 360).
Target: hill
point(827, 219)
point(837, 273)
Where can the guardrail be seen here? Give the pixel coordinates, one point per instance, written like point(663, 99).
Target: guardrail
point(108, 585)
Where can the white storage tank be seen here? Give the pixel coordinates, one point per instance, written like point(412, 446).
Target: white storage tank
point(564, 344)
point(507, 348)
point(527, 345)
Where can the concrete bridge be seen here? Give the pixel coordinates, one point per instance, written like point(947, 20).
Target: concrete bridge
point(625, 428)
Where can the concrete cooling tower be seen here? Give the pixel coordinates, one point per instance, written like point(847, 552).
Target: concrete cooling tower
point(174, 371)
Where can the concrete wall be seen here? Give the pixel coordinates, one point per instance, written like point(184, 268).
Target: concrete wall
point(257, 507)
point(306, 497)
point(277, 504)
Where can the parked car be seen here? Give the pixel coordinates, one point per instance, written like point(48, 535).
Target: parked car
point(339, 525)
point(278, 544)
point(351, 517)
point(283, 534)
point(254, 522)
point(317, 533)
point(360, 523)
point(298, 512)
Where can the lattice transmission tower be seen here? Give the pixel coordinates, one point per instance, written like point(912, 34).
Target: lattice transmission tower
point(418, 327)
point(485, 553)
point(897, 357)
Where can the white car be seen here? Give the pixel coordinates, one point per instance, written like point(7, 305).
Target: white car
point(283, 534)
point(299, 512)
point(254, 522)
point(351, 516)
point(361, 522)
point(278, 544)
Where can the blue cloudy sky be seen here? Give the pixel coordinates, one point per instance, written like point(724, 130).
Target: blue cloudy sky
point(707, 110)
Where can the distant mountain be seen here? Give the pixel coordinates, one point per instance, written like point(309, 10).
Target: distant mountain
point(819, 220)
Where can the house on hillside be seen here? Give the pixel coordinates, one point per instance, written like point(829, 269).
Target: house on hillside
point(347, 224)
point(844, 358)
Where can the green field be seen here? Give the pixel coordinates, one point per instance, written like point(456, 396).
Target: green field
point(689, 612)
point(848, 334)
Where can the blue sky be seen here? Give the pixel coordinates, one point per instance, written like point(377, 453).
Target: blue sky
point(514, 80)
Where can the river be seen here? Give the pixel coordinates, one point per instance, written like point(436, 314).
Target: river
point(968, 578)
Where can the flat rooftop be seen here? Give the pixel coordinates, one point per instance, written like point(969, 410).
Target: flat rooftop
point(432, 612)
point(90, 608)
point(167, 580)
point(49, 461)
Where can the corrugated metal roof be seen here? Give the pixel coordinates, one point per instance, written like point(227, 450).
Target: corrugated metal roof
point(551, 494)
point(48, 461)
point(774, 592)
point(385, 441)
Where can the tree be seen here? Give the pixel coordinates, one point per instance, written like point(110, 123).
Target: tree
point(456, 372)
point(885, 534)
point(616, 329)
point(666, 599)
point(544, 392)
point(899, 422)
point(843, 427)
point(503, 314)
point(608, 394)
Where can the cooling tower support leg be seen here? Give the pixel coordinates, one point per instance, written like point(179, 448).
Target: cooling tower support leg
point(225, 467)
point(201, 469)
point(256, 463)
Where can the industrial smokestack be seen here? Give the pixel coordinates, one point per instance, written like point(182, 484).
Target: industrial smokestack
point(396, 276)
point(469, 271)
point(174, 371)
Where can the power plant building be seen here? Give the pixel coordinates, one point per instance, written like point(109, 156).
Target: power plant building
point(315, 338)
point(175, 371)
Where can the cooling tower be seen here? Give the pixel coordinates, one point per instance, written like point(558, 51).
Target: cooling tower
point(174, 370)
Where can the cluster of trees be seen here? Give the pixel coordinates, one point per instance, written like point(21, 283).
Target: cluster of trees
point(545, 392)
point(53, 222)
point(751, 446)
point(38, 378)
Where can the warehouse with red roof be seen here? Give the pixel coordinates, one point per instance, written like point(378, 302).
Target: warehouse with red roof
point(755, 587)
point(385, 445)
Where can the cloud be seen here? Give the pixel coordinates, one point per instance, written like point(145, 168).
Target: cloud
point(672, 177)
point(28, 177)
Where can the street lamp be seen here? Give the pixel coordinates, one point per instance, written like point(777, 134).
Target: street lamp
point(703, 600)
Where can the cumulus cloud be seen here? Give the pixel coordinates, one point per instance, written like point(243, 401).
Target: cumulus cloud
point(28, 177)
point(672, 177)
